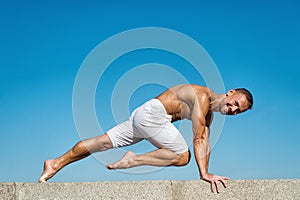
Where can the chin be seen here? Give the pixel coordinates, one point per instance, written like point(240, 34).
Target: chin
point(223, 112)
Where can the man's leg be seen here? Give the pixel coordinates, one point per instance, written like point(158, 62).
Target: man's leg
point(160, 157)
point(81, 150)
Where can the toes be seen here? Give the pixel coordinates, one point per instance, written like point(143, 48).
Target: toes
point(42, 179)
point(109, 167)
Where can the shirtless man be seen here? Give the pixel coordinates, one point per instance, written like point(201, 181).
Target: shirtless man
point(153, 121)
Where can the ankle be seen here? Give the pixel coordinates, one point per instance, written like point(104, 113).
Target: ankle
point(54, 164)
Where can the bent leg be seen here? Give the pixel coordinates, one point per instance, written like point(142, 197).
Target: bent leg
point(81, 150)
point(160, 157)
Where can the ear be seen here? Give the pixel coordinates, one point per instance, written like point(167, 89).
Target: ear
point(230, 92)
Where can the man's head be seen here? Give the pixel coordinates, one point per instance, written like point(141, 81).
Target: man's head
point(236, 101)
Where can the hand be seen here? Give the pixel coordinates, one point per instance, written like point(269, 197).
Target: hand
point(214, 181)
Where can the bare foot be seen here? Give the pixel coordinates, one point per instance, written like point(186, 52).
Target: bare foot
point(48, 172)
point(125, 162)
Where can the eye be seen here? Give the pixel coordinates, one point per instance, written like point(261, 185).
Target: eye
point(236, 103)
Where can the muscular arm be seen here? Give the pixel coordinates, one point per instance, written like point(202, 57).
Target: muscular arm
point(200, 125)
point(201, 133)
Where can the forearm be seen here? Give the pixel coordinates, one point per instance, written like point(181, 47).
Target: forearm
point(202, 153)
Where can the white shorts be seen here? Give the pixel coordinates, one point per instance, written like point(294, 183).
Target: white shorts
point(149, 121)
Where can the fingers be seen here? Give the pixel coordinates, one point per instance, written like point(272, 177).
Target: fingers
point(222, 180)
point(224, 183)
point(217, 187)
point(225, 178)
point(216, 184)
point(212, 185)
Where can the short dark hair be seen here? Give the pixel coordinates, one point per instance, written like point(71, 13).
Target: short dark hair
point(247, 94)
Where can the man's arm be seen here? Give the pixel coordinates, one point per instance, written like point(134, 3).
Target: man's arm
point(201, 142)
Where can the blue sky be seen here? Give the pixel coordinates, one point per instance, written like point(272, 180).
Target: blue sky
point(254, 45)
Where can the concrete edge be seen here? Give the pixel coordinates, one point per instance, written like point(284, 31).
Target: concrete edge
point(157, 189)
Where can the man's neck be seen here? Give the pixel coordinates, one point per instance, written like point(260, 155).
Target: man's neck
point(215, 101)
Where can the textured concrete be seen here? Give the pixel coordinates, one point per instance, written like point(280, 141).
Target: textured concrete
point(7, 190)
point(178, 190)
point(239, 189)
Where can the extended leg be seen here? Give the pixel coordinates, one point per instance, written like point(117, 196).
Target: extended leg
point(81, 150)
point(160, 157)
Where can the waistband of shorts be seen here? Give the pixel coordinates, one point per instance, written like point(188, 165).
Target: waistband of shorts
point(162, 105)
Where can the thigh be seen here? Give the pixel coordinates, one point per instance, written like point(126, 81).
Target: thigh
point(123, 135)
point(169, 137)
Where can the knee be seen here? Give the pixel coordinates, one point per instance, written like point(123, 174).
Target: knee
point(184, 158)
point(99, 143)
point(103, 143)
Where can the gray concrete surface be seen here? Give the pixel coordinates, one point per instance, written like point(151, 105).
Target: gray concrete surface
point(178, 190)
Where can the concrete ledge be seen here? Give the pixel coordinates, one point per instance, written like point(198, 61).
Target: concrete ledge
point(237, 189)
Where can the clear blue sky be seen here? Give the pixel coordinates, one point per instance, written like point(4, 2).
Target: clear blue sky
point(254, 45)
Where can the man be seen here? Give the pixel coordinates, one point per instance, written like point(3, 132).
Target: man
point(153, 121)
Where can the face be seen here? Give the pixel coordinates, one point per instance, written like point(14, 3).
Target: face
point(234, 103)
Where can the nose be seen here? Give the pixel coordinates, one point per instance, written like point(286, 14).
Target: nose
point(234, 108)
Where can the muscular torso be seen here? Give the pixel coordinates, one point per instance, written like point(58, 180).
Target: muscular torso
point(179, 101)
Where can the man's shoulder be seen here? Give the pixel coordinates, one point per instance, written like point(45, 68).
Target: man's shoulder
point(190, 93)
point(201, 92)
